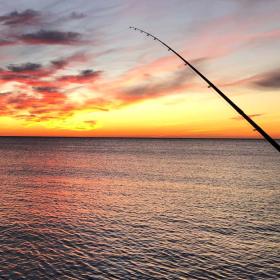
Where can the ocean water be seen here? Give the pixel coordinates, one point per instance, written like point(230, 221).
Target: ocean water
point(139, 209)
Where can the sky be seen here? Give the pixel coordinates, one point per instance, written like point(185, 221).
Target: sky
point(74, 68)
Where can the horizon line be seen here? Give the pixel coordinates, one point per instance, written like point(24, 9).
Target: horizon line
point(135, 137)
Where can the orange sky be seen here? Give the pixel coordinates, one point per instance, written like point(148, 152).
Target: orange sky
point(77, 70)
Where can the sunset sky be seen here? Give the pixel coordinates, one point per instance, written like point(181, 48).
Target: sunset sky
point(74, 68)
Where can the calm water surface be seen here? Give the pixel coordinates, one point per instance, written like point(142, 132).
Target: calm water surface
point(138, 209)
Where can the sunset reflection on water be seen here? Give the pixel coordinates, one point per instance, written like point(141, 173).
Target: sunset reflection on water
point(82, 208)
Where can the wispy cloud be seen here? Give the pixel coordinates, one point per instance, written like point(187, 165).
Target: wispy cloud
point(6, 42)
point(155, 88)
point(240, 118)
point(265, 80)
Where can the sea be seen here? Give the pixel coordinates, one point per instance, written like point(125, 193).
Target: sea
point(98, 208)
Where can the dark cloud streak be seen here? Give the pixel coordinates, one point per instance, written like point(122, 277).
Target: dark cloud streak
point(26, 67)
point(85, 76)
point(21, 18)
point(76, 15)
point(46, 89)
point(54, 37)
point(268, 80)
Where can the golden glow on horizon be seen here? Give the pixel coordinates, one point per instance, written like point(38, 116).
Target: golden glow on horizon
point(190, 115)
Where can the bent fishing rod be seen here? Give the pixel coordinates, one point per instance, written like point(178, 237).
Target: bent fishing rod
point(211, 85)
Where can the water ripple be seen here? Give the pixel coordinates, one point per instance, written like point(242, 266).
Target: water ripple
point(92, 209)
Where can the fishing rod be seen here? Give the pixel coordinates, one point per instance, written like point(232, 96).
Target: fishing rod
point(211, 85)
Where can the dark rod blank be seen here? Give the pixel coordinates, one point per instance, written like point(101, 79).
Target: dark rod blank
point(232, 104)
